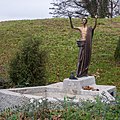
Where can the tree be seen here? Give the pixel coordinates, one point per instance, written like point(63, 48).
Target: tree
point(82, 7)
point(114, 8)
point(63, 7)
point(103, 8)
point(78, 8)
point(28, 65)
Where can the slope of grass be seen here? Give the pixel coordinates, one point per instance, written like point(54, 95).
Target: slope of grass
point(60, 42)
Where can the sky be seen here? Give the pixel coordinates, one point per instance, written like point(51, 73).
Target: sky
point(24, 9)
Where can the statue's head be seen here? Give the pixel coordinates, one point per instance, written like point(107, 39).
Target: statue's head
point(84, 21)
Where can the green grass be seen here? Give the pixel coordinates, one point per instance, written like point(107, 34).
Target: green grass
point(60, 42)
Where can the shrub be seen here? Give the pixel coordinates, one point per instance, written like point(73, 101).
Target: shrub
point(27, 68)
point(117, 52)
point(1, 83)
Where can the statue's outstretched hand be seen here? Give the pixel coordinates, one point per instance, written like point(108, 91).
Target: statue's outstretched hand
point(96, 16)
point(69, 16)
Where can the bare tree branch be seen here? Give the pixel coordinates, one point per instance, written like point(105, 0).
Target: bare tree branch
point(77, 8)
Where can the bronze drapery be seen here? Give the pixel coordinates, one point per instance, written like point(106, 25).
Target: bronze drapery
point(85, 48)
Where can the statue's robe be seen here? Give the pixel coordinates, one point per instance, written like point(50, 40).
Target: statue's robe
point(84, 56)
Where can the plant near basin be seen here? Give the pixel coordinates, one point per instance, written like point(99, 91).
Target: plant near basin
point(27, 68)
point(68, 109)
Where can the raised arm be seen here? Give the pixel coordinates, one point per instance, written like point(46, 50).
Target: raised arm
point(72, 23)
point(95, 22)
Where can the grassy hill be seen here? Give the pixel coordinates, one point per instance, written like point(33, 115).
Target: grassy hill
point(60, 42)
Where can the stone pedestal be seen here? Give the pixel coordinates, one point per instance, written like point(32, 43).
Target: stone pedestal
point(74, 86)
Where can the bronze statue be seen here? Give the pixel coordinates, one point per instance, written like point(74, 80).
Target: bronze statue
point(85, 46)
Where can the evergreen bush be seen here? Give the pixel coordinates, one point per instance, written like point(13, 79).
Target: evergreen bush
point(117, 52)
point(27, 68)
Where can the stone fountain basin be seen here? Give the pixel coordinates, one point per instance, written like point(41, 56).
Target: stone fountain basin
point(67, 88)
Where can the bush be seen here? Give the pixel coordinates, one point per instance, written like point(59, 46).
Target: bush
point(5, 83)
point(117, 52)
point(27, 68)
point(1, 83)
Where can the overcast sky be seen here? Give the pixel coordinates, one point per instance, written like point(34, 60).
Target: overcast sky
point(24, 9)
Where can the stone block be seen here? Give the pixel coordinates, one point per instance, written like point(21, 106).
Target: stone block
point(74, 86)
